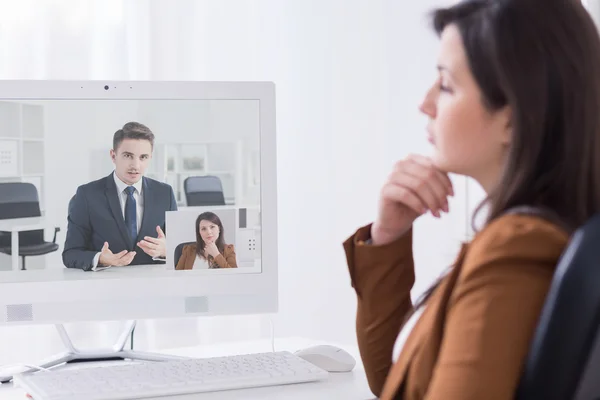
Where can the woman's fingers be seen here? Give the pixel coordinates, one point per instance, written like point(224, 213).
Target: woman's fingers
point(402, 194)
point(421, 189)
point(443, 177)
point(431, 186)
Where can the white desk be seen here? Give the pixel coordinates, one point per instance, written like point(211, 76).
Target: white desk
point(150, 271)
point(350, 385)
point(16, 225)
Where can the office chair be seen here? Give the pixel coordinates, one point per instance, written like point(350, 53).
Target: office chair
point(20, 200)
point(203, 191)
point(177, 252)
point(564, 357)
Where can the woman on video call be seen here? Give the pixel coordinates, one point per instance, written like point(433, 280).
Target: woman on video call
point(515, 106)
point(210, 250)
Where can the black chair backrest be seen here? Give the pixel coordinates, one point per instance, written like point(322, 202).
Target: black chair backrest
point(203, 191)
point(20, 200)
point(565, 347)
point(177, 252)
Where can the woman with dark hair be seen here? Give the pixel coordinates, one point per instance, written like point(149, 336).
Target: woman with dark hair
point(210, 250)
point(516, 107)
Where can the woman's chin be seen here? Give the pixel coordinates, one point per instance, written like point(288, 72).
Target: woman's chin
point(440, 163)
point(444, 166)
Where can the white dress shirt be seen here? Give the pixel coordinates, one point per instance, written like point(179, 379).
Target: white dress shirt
point(139, 204)
point(200, 263)
point(405, 332)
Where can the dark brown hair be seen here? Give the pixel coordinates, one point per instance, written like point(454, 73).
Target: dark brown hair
point(132, 130)
point(542, 59)
point(200, 244)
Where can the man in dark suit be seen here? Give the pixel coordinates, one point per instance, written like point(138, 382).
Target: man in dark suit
point(119, 220)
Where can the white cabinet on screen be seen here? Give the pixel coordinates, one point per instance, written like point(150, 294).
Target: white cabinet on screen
point(22, 152)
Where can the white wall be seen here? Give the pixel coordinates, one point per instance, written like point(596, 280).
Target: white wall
point(593, 7)
point(349, 76)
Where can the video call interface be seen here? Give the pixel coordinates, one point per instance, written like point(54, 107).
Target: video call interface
point(114, 186)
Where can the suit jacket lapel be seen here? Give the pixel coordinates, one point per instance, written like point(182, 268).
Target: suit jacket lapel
point(426, 332)
point(398, 371)
point(115, 206)
point(148, 209)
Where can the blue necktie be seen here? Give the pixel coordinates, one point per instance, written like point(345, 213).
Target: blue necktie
point(130, 212)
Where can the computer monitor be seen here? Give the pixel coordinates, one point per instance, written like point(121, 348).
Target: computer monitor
point(213, 155)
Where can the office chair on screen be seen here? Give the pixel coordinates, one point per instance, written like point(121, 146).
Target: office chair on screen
point(20, 200)
point(177, 252)
point(203, 191)
point(564, 357)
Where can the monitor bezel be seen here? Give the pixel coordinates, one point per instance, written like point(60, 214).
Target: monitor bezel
point(93, 299)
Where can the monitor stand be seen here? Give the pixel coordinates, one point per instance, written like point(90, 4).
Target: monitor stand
point(73, 355)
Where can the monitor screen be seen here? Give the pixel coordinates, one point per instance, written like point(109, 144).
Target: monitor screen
point(81, 155)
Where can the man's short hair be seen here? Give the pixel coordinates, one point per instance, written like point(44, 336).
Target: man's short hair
point(133, 130)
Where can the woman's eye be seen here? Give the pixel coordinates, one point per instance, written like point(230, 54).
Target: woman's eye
point(444, 88)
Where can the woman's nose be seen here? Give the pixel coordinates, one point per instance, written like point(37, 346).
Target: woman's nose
point(427, 106)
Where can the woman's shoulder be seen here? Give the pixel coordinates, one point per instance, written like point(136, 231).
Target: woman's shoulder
point(189, 248)
point(229, 247)
point(509, 227)
point(518, 236)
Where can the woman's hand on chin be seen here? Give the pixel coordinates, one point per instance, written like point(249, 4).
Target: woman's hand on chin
point(414, 187)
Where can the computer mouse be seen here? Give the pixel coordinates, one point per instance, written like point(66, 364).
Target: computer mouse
point(327, 357)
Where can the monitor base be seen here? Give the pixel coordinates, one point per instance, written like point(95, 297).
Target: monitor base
point(74, 355)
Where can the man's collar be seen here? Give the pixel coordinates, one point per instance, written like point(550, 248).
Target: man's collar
point(121, 186)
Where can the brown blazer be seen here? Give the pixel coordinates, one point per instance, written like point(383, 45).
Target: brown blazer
point(472, 339)
point(188, 256)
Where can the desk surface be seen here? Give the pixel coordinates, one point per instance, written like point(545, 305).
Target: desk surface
point(60, 273)
point(24, 224)
point(350, 385)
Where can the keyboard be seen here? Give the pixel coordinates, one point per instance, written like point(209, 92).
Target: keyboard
point(164, 378)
